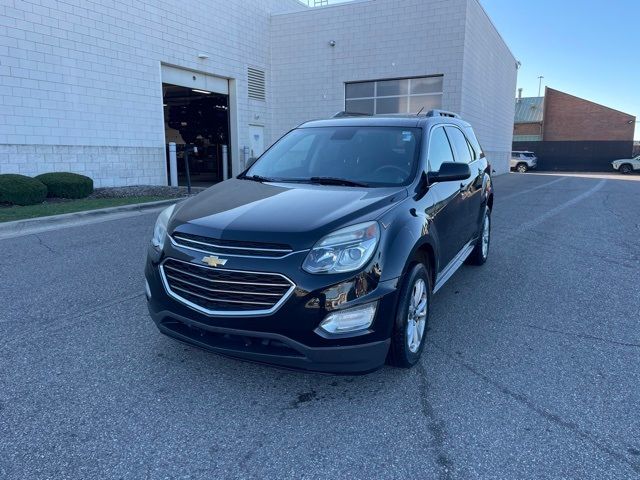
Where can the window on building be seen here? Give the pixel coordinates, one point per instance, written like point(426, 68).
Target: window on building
point(394, 97)
point(439, 149)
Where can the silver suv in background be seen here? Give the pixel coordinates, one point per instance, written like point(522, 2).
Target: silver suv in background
point(627, 165)
point(523, 161)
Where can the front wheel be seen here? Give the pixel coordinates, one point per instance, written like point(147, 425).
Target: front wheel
point(412, 315)
point(522, 168)
point(480, 252)
point(626, 169)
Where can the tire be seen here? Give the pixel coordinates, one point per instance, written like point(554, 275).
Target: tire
point(408, 337)
point(625, 169)
point(522, 168)
point(480, 254)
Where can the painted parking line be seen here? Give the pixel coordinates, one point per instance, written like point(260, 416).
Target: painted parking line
point(522, 192)
point(554, 211)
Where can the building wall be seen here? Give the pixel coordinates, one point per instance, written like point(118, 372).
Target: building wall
point(569, 118)
point(576, 156)
point(489, 78)
point(80, 83)
point(374, 40)
point(394, 39)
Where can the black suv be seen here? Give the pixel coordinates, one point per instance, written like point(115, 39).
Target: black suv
point(324, 254)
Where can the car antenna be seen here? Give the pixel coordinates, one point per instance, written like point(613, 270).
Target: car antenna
point(419, 112)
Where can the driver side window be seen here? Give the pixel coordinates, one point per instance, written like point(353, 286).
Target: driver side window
point(439, 149)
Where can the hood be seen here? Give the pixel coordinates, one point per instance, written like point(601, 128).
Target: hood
point(286, 213)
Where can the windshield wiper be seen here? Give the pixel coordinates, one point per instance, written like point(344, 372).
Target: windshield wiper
point(258, 178)
point(336, 181)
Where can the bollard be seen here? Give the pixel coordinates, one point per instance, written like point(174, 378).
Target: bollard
point(225, 162)
point(173, 165)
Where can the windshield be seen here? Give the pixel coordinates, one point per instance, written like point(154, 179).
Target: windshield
point(369, 156)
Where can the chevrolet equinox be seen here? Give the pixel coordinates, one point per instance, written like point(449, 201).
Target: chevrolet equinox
point(325, 253)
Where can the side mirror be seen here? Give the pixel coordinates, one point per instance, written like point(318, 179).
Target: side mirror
point(450, 172)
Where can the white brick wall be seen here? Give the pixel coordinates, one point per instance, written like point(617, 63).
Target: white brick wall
point(80, 81)
point(374, 40)
point(488, 86)
point(84, 75)
point(389, 39)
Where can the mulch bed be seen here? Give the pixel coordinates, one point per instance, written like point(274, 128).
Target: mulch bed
point(142, 191)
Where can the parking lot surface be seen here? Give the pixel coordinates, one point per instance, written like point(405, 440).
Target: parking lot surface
point(532, 367)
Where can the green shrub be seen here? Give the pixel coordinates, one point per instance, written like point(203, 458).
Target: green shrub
point(21, 190)
point(67, 185)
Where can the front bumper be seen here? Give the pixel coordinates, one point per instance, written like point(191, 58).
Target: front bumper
point(286, 337)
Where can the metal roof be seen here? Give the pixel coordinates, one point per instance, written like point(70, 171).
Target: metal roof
point(529, 110)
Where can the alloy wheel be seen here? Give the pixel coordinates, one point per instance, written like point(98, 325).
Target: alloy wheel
point(486, 235)
point(417, 315)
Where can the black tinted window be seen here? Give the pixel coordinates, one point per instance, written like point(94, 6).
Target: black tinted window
point(439, 149)
point(460, 145)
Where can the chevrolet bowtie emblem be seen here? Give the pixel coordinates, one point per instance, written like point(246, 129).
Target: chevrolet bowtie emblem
point(214, 261)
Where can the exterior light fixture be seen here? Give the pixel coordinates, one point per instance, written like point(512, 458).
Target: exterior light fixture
point(203, 56)
point(200, 91)
point(332, 43)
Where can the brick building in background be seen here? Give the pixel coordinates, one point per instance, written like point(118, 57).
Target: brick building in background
point(571, 133)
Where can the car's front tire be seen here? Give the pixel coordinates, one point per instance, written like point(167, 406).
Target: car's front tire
point(480, 252)
point(522, 168)
point(412, 316)
point(625, 169)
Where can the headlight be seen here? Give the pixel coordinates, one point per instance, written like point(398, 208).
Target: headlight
point(160, 230)
point(344, 250)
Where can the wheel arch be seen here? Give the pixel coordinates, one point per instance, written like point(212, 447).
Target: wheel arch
point(423, 253)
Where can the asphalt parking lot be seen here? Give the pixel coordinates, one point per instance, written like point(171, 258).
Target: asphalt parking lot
point(532, 368)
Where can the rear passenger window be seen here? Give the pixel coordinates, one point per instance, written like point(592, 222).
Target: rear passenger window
point(439, 149)
point(473, 140)
point(474, 155)
point(460, 145)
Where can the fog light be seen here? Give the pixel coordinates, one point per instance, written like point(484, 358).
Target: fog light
point(147, 290)
point(350, 320)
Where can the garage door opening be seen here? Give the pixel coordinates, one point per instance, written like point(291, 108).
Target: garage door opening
point(195, 117)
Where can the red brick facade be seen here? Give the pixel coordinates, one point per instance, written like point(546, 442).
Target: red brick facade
point(569, 118)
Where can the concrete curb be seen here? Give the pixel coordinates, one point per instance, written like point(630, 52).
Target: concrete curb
point(42, 224)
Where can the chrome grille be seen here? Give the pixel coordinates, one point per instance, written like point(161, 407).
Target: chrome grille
point(225, 292)
point(231, 247)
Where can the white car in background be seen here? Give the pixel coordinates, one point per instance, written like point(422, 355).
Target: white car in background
point(523, 161)
point(627, 165)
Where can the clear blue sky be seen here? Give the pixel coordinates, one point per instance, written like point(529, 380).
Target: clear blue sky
point(588, 48)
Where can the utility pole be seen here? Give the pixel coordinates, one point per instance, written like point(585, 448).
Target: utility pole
point(540, 85)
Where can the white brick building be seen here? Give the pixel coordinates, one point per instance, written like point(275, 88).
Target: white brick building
point(82, 83)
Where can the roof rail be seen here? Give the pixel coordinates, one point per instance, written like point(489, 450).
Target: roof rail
point(442, 113)
point(350, 114)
